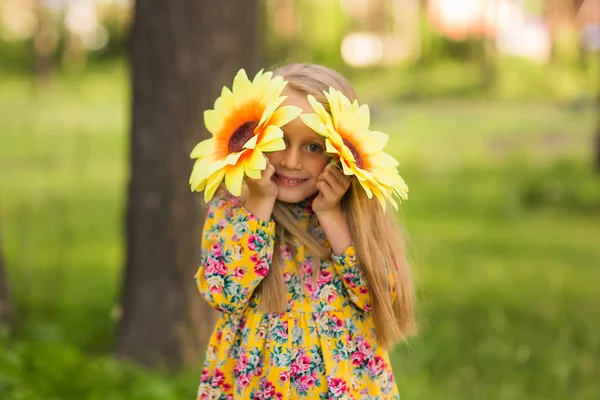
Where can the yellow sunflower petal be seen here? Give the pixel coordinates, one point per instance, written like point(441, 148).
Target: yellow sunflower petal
point(242, 89)
point(380, 197)
point(314, 122)
point(274, 145)
point(251, 143)
point(330, 148)
point(362, 118)
point(197, 178)
point(227, 102)
point(203, 148)
point(213, 184)
point(383, 160)
point(319, 109)
point(272, 133)
point(213, 121)
point(234, 176)
point(256, 161)
point(373, 142)
point(285, 114)
point(233, 158)
point(253, 173)
point(268, 113)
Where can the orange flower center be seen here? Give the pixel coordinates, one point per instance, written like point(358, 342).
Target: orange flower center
point(357, 158)
point(241, 135)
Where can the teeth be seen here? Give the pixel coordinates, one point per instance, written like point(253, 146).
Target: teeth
point(291, 181)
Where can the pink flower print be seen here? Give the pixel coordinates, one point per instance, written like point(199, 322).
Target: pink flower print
point(350, 280)
point(221, 268)
point(325, 277)
point(239, 273)
point(243, 380)
point(307, 266)
point(364, 346)
point(262, 268)
point(286, 251)
point(309, 287)
point(269, 390)
point(301, 364)
point(284, 376)
point(219, 336)
point(226, 387)
point(338, 386)
point(338, 324)
point(211, 266)
point(205, 376)
point(376, 365)
point(308, 380)
point(215, 284)
point(287, 277)
point(258, 371)
point(241, 364)
point(223, 223)
point(358, 357)
point(218, 378)
point(253, 241)
point(363, 290)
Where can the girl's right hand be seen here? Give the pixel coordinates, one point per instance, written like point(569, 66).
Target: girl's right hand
point(262, 193)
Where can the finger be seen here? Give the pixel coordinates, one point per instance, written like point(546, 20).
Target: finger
point(326, 190)
point(342, 178)
point(269, 171)
point(338, 186)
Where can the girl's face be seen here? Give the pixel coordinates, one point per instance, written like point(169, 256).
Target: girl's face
point(298, 166)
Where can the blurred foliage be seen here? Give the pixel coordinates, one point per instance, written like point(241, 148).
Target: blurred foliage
point(307, 30)
point(503, 216)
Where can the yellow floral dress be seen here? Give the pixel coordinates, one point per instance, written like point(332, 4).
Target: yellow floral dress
point(323, 347)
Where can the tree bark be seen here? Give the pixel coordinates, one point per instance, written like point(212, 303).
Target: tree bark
point(182, 53)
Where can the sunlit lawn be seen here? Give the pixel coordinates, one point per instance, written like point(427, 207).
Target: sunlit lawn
point(503, 216)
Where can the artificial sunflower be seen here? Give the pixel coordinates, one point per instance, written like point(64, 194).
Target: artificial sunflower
point(359, 150)
point(245, 122)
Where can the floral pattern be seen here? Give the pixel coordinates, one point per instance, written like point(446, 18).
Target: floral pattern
point(323, 347)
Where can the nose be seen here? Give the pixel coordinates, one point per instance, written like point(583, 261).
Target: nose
point(291, 159)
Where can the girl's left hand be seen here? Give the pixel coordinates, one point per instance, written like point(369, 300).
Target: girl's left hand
point(332, 185)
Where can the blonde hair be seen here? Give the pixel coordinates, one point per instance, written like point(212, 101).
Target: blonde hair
point(378, 240)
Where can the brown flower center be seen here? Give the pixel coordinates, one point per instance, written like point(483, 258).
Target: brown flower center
point(241, 136)
point(357, 158)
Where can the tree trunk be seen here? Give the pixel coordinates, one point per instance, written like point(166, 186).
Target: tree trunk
point(5, 303)
point(44, 45)
point(182, 53)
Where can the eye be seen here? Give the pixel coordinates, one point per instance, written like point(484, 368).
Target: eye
point(314, 148)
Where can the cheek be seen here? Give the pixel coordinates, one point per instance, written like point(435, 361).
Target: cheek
point(319, 165)
point(273, 157)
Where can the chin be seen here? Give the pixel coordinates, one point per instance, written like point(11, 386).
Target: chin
point(286, 196)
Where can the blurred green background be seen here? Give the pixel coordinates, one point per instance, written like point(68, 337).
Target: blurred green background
point(496, 138)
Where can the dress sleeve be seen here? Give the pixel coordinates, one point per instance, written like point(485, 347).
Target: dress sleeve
point(237, 249)
point(346, 264)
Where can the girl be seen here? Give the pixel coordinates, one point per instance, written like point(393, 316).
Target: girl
point(316, 286)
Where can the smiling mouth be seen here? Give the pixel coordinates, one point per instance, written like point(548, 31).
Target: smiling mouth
point(288, 181)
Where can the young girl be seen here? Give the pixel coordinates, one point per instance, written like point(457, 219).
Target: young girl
point(316, 286)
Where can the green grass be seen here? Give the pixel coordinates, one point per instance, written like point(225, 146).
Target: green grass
point(503, 215)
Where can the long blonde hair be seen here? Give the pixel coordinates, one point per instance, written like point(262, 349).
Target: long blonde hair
point(378, 240)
